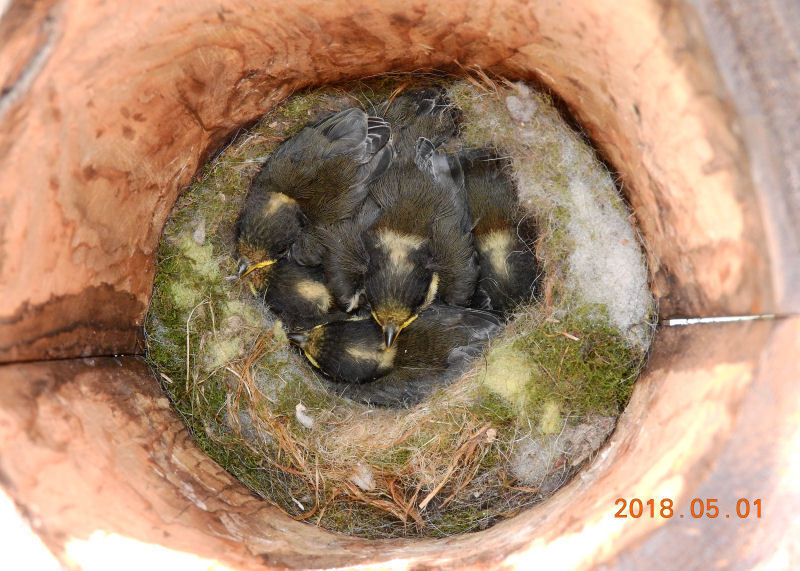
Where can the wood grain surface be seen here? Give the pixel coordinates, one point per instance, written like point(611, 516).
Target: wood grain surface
point(108, 112)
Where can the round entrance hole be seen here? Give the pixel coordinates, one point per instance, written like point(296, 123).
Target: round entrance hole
point(119, 110)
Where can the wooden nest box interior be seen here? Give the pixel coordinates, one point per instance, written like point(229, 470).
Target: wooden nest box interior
point(107, 112)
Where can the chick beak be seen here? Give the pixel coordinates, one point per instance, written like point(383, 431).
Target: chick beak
point(390, 333)
point(299, 338)
point(245, 268)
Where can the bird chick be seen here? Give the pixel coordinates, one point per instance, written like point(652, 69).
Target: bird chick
point(297, 294)
point(421, 246)
point(452, 250)
point(400, 280)
point(508, 267)
point(345, 260)
point(422, 113)
point(438, 348)
point(266, 228)
point(325, 169)
point(349, 351)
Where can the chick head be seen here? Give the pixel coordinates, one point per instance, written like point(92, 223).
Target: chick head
point(350, 351)
point(399, 282)
point(268, 225)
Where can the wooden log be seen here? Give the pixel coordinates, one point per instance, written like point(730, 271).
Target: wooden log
point(108, 111)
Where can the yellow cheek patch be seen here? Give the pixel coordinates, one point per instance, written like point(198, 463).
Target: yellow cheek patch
point(315, 292)
point(497, 246)
point(275, 202)
point(384, 358)
point(408, 321)
point(431, 295)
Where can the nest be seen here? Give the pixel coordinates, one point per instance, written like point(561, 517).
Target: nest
point(507, 434)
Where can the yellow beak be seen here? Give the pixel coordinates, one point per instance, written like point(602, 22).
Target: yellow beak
point(391, 331)
point(258, 266)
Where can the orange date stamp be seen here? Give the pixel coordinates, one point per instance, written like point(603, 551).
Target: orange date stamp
point(698, 508)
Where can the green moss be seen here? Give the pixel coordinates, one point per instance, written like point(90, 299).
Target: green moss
point(278, 333)
point(581, 366)
point(464, 520)
point(356, 519)
point(246, 311)
point(222, 350)
point(185, 295)
point(490, 405)
point(307, 390)
point(392, 458)
point(300, 108)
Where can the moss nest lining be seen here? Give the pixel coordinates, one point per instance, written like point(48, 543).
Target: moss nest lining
point(530, 412)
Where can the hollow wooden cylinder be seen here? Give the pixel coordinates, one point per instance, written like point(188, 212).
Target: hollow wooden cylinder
point(107, 111)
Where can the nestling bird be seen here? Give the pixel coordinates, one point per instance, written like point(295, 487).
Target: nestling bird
point(400, 280)
point(323, 171)
point(420, 248)
point(268, 225)
point(351, 351)
point(452, 250)
point(436, 349)
point(503, 235)
point(297, 294)
point(345, 259)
